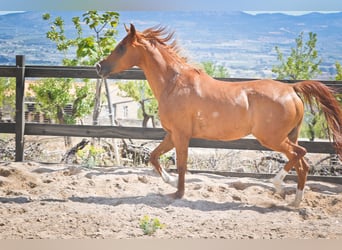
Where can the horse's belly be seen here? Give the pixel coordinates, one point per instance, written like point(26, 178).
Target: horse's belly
point(217, 127)
point(221, 134)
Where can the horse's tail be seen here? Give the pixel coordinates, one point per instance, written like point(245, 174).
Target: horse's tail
point(313, 91)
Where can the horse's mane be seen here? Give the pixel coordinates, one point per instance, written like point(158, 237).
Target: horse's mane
point(162, 37)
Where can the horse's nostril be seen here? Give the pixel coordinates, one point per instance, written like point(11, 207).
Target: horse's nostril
point(98, 68)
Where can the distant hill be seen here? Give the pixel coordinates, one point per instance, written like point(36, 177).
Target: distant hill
point(242, 42)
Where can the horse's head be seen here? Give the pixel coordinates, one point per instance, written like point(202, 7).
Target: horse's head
point(123, 57)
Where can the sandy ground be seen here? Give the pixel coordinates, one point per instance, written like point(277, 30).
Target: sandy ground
point(55, 201)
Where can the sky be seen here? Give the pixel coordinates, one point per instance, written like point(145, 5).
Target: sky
point(293, 13)
point(164, 5)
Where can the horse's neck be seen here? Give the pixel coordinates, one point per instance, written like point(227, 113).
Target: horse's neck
point(159, 73)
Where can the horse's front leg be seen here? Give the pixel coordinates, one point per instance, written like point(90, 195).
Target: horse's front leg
point(181, 143)
point(165, 146)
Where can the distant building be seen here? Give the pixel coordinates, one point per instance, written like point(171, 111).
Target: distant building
point(125, 108)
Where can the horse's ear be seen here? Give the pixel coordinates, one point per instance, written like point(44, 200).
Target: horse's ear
point(126, 28)
point(132, 30)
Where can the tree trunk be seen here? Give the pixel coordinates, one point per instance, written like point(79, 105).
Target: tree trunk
point(112, 122)
point(61, 120)
point(146, 116)
point(97, 104)
point(311, 126)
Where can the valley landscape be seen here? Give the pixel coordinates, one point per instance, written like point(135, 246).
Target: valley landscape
point(242, 42)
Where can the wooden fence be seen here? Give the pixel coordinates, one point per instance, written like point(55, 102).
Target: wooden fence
point(21, 71)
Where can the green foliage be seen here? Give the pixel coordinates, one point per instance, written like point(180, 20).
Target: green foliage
point(137, 90)
point(149, 225)
point(54, 94)
point(215, 70)
point(338, 77)
point(83, 100)
point(303, 61)
point(338, 71)
point(89, 49)
point(90, 155)
point(314, 126)
point(151, 107)
point(7, 93)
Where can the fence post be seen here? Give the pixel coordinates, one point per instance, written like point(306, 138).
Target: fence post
point(19, 108)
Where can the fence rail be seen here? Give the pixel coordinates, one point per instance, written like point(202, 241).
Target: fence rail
point(150, 134)
point(21, 71)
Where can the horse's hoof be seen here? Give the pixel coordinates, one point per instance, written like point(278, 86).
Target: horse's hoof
point(176, 195)
point(171, 180)
point(294, 204)
point(278, 185)
point(298, 199)
point(280, 195)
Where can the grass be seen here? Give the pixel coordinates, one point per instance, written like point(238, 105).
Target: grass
point(150, 225)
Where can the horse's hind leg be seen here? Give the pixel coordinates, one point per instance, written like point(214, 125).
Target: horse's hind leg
point(165, 146)
point(295, 154)
point(302, 169)
point(280, 176)
point(296, 159)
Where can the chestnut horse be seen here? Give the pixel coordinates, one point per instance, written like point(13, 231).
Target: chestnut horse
point(194, 105)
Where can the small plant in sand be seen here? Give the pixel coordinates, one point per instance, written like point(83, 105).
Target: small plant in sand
point(149, 225)
point(91, 155)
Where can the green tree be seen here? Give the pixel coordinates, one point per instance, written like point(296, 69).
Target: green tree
point(303, 64)
point(215, 70)
point(53, 95)
point(7, 94)
point(89, 49)
point(338, 71)
point(303, 61)
point(338, 77)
